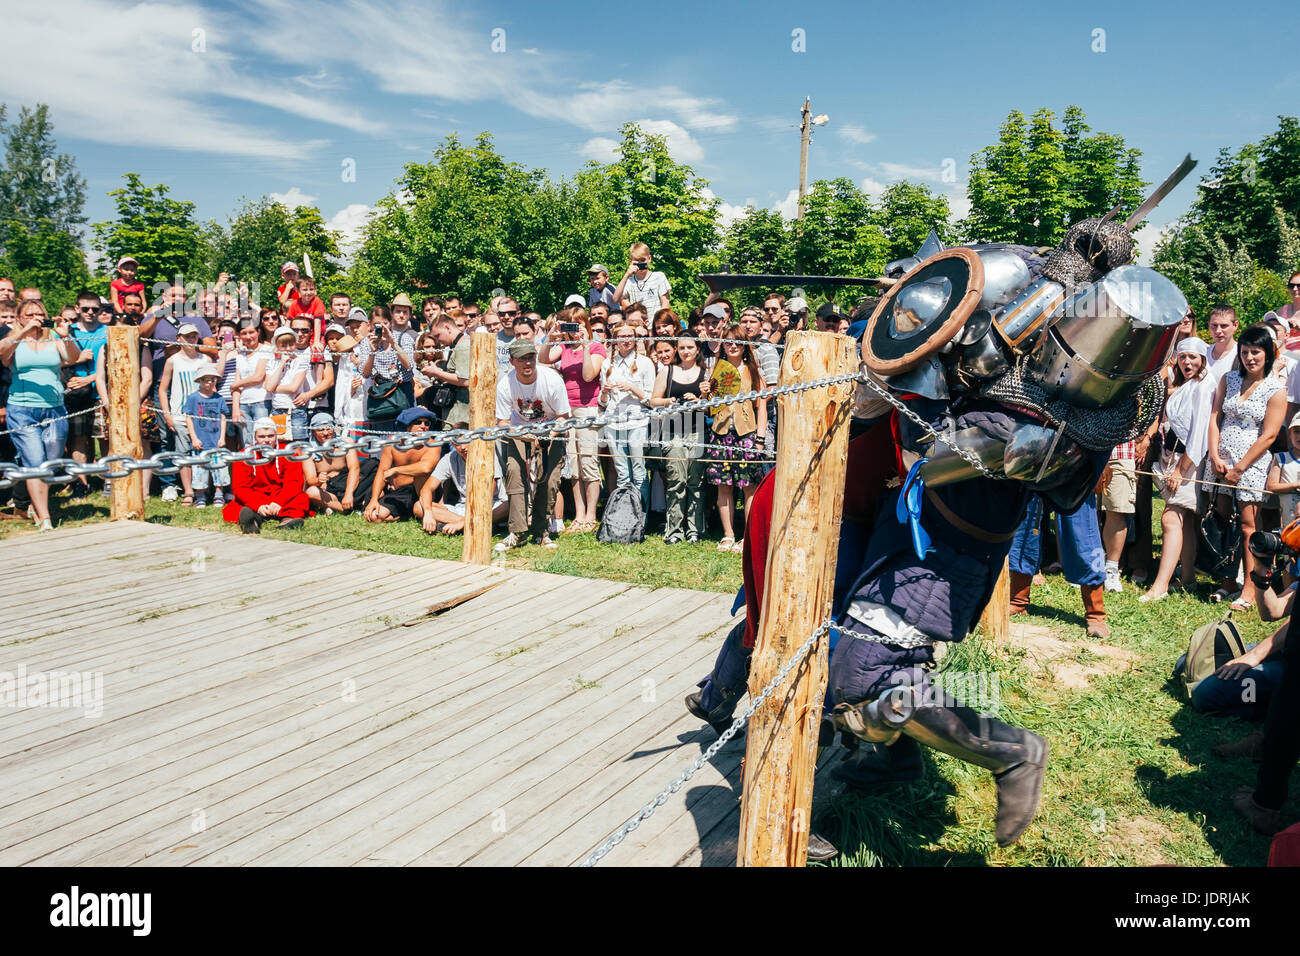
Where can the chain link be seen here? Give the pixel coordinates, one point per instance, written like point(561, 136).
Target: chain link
point(85, 411)
point(646, 812)
point(169, 463)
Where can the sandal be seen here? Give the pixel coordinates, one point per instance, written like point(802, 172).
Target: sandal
point(726, 544)
point(738, 547)
point(1240, 605)
point(187, 501)
point(1223, 594)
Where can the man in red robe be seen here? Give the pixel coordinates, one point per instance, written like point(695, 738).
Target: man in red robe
point(274, 490)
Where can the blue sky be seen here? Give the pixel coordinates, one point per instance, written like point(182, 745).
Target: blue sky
point(228, 100)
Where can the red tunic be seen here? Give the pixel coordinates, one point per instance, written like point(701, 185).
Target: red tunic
point(281, 482)
point(872, 461)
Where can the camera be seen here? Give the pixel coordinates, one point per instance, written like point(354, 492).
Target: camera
point(570, 328)
point(641, 264)
point(1267, 544)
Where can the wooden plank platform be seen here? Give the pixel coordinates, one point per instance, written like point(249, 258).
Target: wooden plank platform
point(273, 703)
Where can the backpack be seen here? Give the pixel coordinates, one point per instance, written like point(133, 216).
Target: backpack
point(1212, 645)
point(624, 518)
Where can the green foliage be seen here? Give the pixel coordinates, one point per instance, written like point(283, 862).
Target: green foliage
point(840, 234)
point(1241, 240)
point(41, 201)
point(266, 234)
point(161, 233)
point(1038, 179)
point(908, 211)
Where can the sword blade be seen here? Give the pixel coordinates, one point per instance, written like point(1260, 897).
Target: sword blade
point(1163, 190)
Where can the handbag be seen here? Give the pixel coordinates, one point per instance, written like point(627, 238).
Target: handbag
point(386, 401)
point(1219, 546)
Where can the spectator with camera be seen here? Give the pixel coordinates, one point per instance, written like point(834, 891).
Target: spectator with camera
point(384, 361)
point(640, 284)
point(579, 361)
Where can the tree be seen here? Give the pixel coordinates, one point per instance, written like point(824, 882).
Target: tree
point(41, 202)
point(1036, 181)
point(159, 232)
point(263, 236)
point(840, 234)
point(908, 211)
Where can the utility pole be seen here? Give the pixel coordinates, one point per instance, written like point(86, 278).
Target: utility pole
point(805, 133)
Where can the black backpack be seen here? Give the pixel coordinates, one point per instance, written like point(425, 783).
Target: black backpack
point(624, 518)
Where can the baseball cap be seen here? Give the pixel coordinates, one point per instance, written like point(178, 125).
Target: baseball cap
point(287, 266)
point(1295, 421)
point(522, 348)
point(596, 267)
point(335, 327)
point(322, 420)
point(206, 370)
point(574, 299)
point(283, 331)
point(188, 329)
point(357, 314)
point(409, 415)
point(717, 311)
point(797, 304)
point(827, 309)
point(125, 259)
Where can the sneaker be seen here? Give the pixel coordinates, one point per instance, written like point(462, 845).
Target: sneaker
point(291, 523)
point(1113, 582)
point(218, 500)
point(170, 493)
point(201, 501)
point(505, 544)
point(672, 539)
point(692, 539)
point(556, 526)
point(108, 488)
point(545, 542)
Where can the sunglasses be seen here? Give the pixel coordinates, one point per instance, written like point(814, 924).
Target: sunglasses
point(508, 314)
point(768, 308)
point(472, 315)
point(1293, 285)
point(82, 308)
point(300, 330)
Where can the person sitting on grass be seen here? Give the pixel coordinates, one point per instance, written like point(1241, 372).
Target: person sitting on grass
point(336, 481)
point(402, 475)
point(448, 517)
point(270, 490)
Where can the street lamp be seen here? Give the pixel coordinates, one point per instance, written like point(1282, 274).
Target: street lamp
point(805, 136)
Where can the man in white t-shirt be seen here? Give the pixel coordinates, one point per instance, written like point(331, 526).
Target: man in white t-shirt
point(639, 284)
point(530, 393)
point(1223, 330)
point(441, 517)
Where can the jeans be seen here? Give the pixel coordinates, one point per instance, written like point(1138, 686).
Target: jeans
point(1236, 698)
point(166, 440)
point(298, 419)
point(1082, 557)
point(252, 411)
point(36, 438)
point(626, 443)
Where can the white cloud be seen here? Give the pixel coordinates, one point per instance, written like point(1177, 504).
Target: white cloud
point(350, 223)
point(855, 134)
point(727, 212)
point(873, 187)
point(896, 171)
point(599, 148)
point(789, 206)
point(294, 198)
point(681, 145)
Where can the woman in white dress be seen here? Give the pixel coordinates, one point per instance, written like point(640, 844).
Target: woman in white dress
point(1249, 407)
point(1183, 440)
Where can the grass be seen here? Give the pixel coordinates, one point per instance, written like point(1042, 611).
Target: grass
point(1131, 779)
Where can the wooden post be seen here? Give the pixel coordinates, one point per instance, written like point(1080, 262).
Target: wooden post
point(479, 468)
point(122, 370)
point(781, 748)
point(996, 619)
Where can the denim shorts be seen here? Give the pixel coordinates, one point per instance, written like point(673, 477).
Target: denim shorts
point(36, 438)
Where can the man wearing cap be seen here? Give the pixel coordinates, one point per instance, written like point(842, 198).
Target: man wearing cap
point(350, 386)
point(335, 482)
point(287, 292)
point(285, 373)
point(274, 490)
point(401, 475)
point(204, 429)
point(793, 316)
point(125, 282)
point(527, 394)
point(600, 291)
point(831, 319)
point(713, 322)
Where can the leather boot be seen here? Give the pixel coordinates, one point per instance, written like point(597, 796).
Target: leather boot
point(820, 849)
point(876, 766)
point(1020, 585)
point(720, 718)
point(1094, 611)
point(1017, 758)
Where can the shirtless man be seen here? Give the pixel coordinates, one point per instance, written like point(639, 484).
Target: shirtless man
point(401, 475)
point(334, 482)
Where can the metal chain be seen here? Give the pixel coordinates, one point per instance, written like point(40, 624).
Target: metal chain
point(930, 430)
point(646, 812)
point(63, 470)
point(22, 428)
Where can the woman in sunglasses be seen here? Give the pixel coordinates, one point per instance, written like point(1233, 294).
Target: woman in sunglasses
point(736, 455)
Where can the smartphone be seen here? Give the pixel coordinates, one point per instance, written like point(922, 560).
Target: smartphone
point(570, 327)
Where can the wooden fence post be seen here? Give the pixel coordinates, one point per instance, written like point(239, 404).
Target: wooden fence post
point(479, 468)
point(122, 370)
point(996, 619)
point(781, 747)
